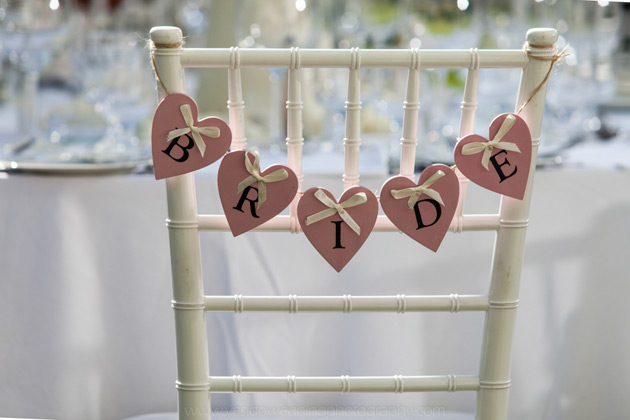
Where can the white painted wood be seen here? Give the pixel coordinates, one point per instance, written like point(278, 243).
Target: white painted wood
point(190, 323)
point(236, 104)
point(322, 58)
point(409, 140)
point(494, 375)
point(470, 222)
point(344, 384)
point(352, 141)
point(184, 222)
point(295, 131)
point(467, 126)
point(346, 304)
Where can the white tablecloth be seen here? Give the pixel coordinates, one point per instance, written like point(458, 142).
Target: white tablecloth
point(86, 327)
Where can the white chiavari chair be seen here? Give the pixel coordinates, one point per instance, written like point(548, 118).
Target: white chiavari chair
point(195, 382)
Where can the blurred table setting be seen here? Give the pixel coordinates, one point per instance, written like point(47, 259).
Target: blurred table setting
point(77, 92)
point(87, 322)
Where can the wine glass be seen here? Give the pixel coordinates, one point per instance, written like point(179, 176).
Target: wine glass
point(32, 36)
point(117, 82)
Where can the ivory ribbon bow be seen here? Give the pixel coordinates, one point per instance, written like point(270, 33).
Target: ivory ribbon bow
point(487, 146)
point(415, 192)
point(254, 170)
point(213, 132)
point(355, 200)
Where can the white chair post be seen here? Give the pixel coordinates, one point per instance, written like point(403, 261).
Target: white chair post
point(352, 141)
point(236, 104)
point(188, 296)
point(409, 139)
point(295, 132)
point(494, 376)
point(466, 126)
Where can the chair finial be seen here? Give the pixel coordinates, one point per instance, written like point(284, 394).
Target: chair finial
point(166, 35)
point(542, 37)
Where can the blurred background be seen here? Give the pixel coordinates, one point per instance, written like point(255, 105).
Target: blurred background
point(76, 82)
point(86, 316)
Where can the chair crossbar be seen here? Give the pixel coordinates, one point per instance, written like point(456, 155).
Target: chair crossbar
point(329, 58)
point(346, 303)
point(469, 222)
point(344, 384)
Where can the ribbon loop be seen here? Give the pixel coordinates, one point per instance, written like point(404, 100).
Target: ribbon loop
point(197, 132)
point(337, 208)
point(487, 146)
point(254, 170)
point(414, 193)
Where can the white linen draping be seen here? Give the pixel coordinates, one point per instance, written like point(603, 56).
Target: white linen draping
point(86, 327)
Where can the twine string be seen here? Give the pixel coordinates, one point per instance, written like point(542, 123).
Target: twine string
point(553, 59)
point(153, 46)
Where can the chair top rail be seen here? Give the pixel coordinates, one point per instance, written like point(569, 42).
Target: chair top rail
point(329, 58)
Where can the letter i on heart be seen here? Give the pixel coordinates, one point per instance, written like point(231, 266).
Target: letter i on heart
point(337, 229)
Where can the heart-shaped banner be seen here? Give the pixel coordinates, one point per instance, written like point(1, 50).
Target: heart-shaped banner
point(249, 196)
point(423, 211)
point(181, 144)
point(501, 164)
point(337, 229)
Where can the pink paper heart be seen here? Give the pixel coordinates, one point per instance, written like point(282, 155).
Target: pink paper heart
point(242, 209)
point(427, 221)
point(508, 170)
point(182, 155)
point(333, 237)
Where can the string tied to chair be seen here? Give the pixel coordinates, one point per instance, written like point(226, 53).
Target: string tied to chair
point(553, 59)
point(337, 208)
point(154, 46)
point(414, 193)
point(197, 132)
point(488, 146)
point(254, 170)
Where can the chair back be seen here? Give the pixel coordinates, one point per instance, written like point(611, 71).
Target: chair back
point(194, 379)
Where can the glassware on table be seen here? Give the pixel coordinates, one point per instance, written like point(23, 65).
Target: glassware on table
point(117, 82)
point(32, 35)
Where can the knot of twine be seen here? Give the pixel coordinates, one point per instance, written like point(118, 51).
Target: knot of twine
point(153, 46)
point(553, 59)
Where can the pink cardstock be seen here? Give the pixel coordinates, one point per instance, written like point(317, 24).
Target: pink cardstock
point(428, 220)
point(508, 170)
point(182, 154)
point(332, 237)
point(242, 208)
